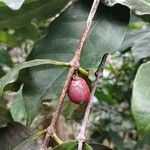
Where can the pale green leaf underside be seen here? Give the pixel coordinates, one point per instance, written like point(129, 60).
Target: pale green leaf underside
point(138, 40)
point(13, 4)
point(141, 99)
point(140, 7)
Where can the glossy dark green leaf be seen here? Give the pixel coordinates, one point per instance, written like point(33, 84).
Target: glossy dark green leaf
point(7, 81)
point(29, 11)
point(131, 37)
point(141, 99)
point(47, 88)
point(138, 6)
point(12, 135)
point(71, 145)
point(106, 35)
point(138, 40)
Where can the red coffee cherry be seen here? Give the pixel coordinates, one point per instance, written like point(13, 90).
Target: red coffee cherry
point(78, 91)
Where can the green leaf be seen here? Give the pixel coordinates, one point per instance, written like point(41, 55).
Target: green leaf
point(73, 111)
point(7, 81)
point(46, 88)
point(131, 37)
point(29, 11)
point(71, 145)
point(141, 99)
point(68, 109)
point(17, 108)
point(106, 35)
point(13, 135)
point(138, 40)
point(141, 49)
point(140, 7)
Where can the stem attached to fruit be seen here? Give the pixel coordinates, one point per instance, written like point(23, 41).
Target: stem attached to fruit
point(57, 139)
point(83, 71)
point(74, 65)
point(99, 74)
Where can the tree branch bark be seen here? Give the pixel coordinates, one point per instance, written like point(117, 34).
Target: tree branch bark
point(74, 65)
point(99, 74)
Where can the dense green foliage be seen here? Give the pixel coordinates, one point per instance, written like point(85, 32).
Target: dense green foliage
point(36, 45)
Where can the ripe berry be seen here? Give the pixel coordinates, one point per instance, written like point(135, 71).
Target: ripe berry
point(78, 90)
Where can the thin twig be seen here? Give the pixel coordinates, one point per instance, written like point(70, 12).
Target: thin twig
point(99, 74)
point(74, 64)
